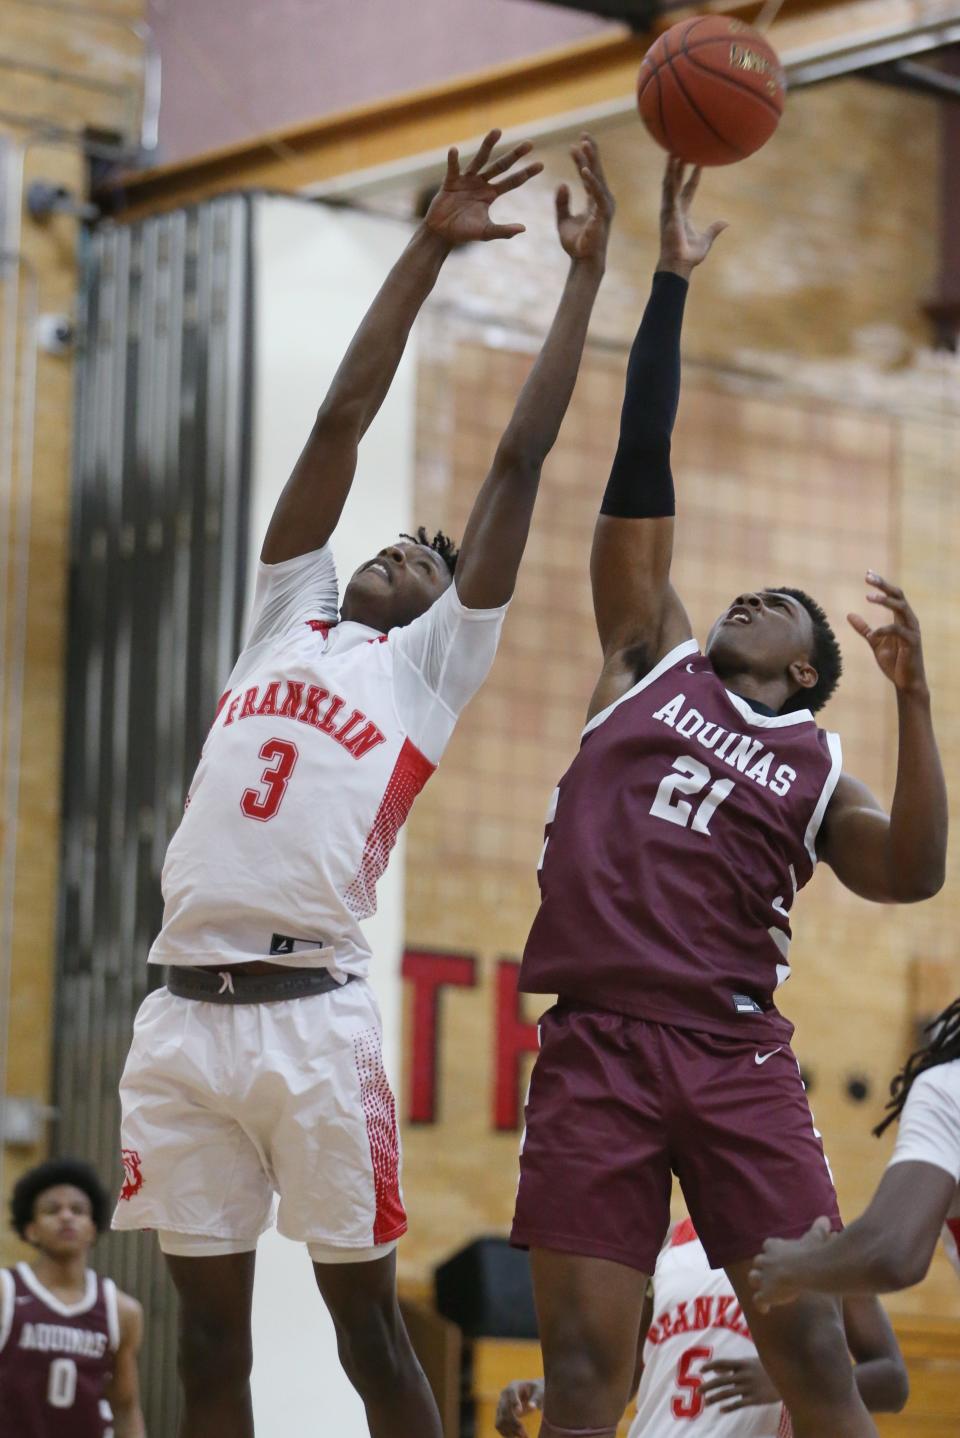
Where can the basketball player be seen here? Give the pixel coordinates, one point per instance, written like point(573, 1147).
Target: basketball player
point(257, 1069)
point(692, 1327)
point(891, 1245)
point(68, 1339)
point(701, 798)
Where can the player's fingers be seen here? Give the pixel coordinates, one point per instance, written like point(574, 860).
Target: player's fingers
point(821, 1227)
point(893, 590)
point(513, 182)
point(453, 163)
point(858, 622)
point(503, 232)
point(690, 188)
point(721, 1365)
point(742, 1402)
point(670, 174)
point(596, 162)
point(484, 152)
point(715, 230)
point(899, 606)
point(505, 161)
point(898, 631)
point(563, 203)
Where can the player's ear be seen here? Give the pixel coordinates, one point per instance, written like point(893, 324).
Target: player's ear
point(803, 674)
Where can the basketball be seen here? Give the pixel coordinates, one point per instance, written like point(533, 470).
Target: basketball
point(711, 90)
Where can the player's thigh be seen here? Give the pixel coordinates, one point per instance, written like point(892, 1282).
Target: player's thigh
point(216, 1293)
point(354, 1293)
point(746, 1151)
point(802, 1344)
point(190, 1167)
point(588, 1314)
point(594, 1164)
point(324, 1114)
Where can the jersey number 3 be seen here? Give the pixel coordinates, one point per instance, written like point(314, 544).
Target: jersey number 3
point(281, 755)
point(689, 776)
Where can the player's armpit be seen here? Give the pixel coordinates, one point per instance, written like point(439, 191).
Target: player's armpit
point(634, 603)
point(854, 841)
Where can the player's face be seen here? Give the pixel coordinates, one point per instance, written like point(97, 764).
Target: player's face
point(396, 586)
point(62, 1224)
point(764, 633)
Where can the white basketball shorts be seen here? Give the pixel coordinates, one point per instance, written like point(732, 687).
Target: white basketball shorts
point(225, 1106)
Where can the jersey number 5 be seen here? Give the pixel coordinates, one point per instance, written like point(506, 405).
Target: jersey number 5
point(282, 755)
point(689, 776)
point(688, 1400)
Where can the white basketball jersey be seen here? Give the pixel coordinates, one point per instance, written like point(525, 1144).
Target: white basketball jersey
point(930, 1133)
point(322, 740)
point(696, 1319)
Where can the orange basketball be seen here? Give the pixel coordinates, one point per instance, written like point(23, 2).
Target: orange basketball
point(711, 90)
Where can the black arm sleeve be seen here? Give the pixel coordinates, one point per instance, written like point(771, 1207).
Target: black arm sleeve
point(641, 484)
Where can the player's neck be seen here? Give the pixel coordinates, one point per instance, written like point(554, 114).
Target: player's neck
point(767, 696)
point(65, 1277)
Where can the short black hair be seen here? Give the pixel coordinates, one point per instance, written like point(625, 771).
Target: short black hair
point(942, 1048)
point(49, 1175)
point(441, 544)
point(826, 658)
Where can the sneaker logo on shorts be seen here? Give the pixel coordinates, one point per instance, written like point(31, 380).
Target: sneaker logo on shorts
point(759, 1058)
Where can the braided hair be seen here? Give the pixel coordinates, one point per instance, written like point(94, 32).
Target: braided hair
point(441, 544)
point(943, 1048)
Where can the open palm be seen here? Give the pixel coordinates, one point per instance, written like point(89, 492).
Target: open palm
point(460, 210)
point(584, 236)
point(682, 245)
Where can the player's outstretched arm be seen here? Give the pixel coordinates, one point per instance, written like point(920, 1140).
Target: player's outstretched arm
point(639, 616)
point(124, 1390)
point(879, 1370)
point(898, 857)
point(496, 532)
point(888, 1248)
point(310, 505)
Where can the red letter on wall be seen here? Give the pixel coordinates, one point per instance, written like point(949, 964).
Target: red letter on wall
point(429, 973)
point(514, 1037)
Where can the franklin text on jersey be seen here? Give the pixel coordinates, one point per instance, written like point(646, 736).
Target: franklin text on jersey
point(675, 845)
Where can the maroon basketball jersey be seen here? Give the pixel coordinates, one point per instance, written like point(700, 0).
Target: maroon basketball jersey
point(675, 845)
point(55, 1358)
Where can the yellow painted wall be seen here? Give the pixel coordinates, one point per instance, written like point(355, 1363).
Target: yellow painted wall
point(101, 52)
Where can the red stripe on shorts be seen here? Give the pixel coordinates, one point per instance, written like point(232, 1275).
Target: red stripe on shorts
point(380, 1112)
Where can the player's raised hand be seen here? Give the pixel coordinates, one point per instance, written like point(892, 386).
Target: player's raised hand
point(777, 1273)
point(897, 646)
point(737, 1383)
point(460, 210)
point(584, 236)
point(516, 1400)
point(682, 245)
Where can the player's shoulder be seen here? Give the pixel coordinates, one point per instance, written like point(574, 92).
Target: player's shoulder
point(130, 1313)
point(940, 1083)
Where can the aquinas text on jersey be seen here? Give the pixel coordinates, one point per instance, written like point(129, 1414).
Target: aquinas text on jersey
point(748, 756)
point(58, 1338)
point(306, 704)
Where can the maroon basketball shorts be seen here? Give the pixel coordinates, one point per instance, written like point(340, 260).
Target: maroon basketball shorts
point(617, 1105)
